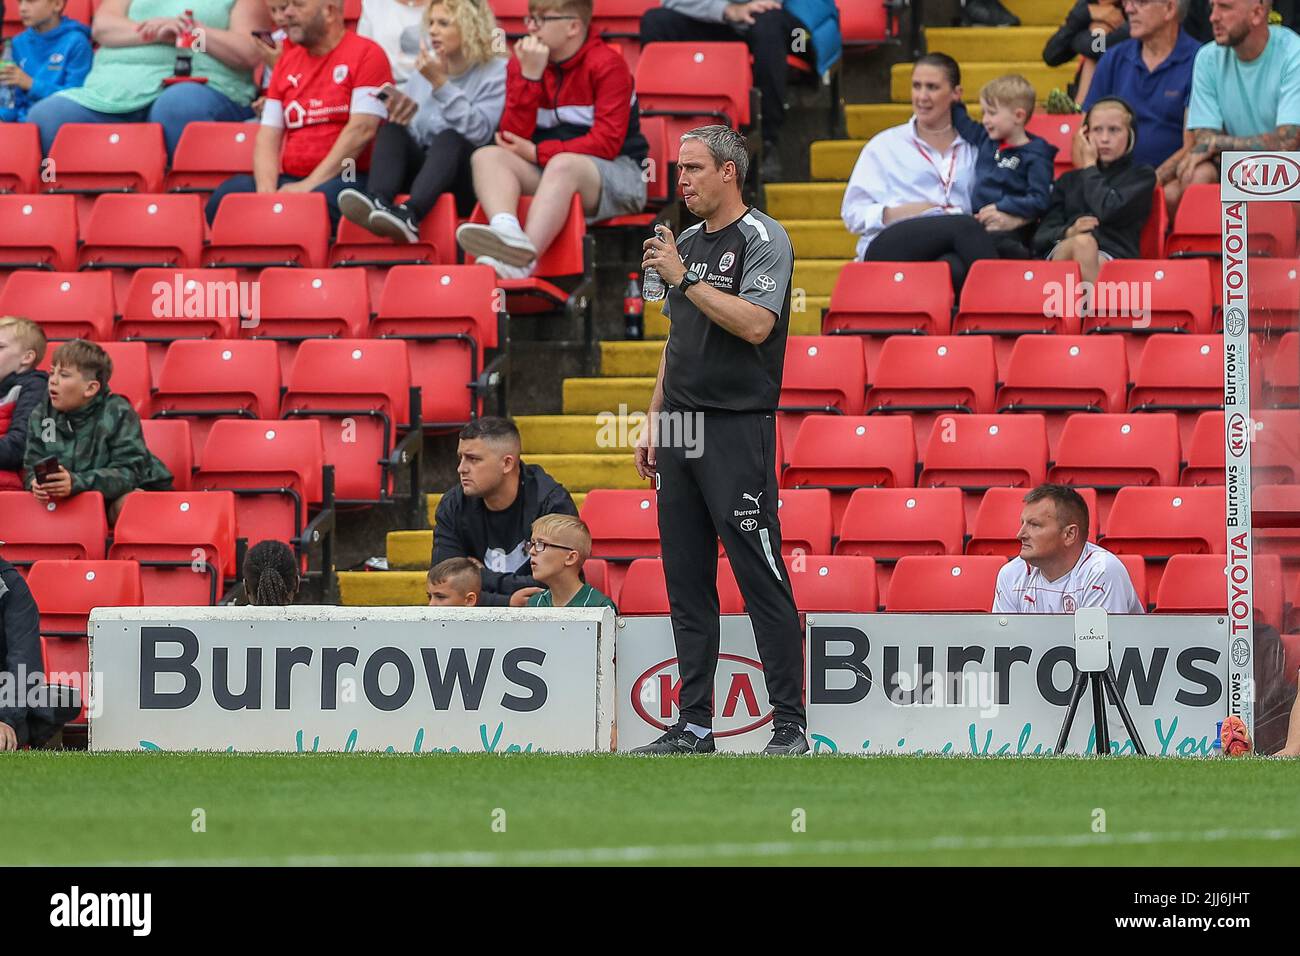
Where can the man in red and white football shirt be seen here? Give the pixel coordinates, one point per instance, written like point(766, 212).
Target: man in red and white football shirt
point(320, 114)
point(1059, 570)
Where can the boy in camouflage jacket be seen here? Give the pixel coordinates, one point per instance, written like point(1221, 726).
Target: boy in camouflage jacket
point(94, 433)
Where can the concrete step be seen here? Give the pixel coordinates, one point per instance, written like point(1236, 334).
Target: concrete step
point(1035, 13)
point(578, 434)
point(805, 321)
point(656, 326)
point(630, 359)
point(865, 120)
point(820, 238)
point(816, 277)
point(409, 550)
point(382, 588)
point(804, 201)
point(834, 158)
point(983, 44)
point(975, 74)
point(594, 396)
point(585, 472)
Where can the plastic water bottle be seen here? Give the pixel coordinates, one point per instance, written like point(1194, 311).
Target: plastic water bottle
point(633, 309)
point(652, 284)
point(6, 91)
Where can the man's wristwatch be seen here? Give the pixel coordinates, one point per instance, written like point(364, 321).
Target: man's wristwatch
point(688, 279)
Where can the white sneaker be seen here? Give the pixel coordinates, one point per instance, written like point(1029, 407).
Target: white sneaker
point(480, 240)
point(504, 269)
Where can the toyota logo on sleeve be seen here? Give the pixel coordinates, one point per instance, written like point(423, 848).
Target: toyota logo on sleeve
point(765, 282)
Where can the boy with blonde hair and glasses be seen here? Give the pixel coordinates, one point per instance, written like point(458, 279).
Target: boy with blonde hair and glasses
point(559, 547)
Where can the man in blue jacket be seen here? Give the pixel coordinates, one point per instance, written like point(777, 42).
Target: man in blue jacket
point(773, 29)
point(52, 54)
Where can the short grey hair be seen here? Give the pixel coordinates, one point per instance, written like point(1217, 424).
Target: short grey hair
point(725, 145)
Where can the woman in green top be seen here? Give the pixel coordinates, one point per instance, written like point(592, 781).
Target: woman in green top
point(137, 51)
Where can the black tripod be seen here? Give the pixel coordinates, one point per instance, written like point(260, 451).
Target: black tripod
point(1099, 679)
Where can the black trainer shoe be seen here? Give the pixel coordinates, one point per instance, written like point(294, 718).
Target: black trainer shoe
point(787, 740)
point(988, 13)
point(679, 740)
point(356, 207)
point(394, 223)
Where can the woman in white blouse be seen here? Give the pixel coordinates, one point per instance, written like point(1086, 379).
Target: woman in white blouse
point(910, 179)
point(397, 26)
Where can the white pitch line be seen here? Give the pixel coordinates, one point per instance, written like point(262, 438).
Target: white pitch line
point(713, 851)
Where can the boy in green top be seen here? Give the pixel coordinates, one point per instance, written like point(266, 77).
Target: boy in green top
point(560, 545)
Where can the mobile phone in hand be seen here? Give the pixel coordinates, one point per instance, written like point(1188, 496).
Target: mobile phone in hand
point(45, 469)
point(385, 92)
point(266, 36)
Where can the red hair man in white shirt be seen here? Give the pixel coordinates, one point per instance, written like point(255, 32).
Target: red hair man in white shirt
point(1059, 570)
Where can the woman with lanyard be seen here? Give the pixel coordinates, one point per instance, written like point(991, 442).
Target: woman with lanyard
point(909, 195)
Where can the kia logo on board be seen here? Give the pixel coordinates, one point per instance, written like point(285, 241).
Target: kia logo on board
point(657, 693)
point(1238, 434)
point(1264, 174)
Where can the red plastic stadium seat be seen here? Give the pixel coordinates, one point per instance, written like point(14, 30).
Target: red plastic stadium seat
point(1198, 225)
point(38, 232)
point(204, 380)
point(624, 525)
point(888, 523)
point(1058, 130)
point(661, 188)
point(351, 13)
point(1059, 374)
point(74, 528)
point(132, 377)
point(866, 22)
point(169, 439)
point(355, 246)
point(1205, 452)
point(1198, 584)
point(108, 157)
point(933, 375)
point(844, 453)
point(595, 572)
point(208, 154)
point(163, 305)
point(20, 157)
point(618, 23)
point(981, 451)
point(1158, 522)
point(1110, 451)
point(805, 516)
point(644, 590)
point(253, 231)
point(67, 305)
point(888, 298)
point(163, 530)
point(694, 84)
point(273, 467)
point(960, 583)
point(1276, 510)
point(822, 374)
point(1282, 373)
point(67, 591)
point(448, 315)
point(1152, 243)
point(833, 583)
point(136, 230)
point(1007, 297)
point(360, 390)
point(1172, 295)
point(1274, 296)
point(297, 304)
point(1179, 373)
point(996, 526)
point(563, 259)
point(1275, 455)
point(67, 662)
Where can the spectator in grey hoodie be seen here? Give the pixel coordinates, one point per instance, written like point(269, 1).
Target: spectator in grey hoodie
point(450, 106)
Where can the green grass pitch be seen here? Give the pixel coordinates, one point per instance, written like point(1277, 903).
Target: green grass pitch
point(450, 809)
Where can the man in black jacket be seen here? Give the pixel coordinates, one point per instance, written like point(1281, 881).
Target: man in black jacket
point(489, 516)
point(27, 714)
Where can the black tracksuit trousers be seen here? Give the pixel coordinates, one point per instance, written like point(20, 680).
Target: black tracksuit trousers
point(729, 491)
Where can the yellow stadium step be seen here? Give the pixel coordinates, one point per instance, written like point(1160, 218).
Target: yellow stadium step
point(975, 74)
point(656, 326)
point(409, 550)
point(1035, 13)
point(865, 120)
point(578, 434)
point(816, 277)
point(834, 158)
point(630, 359)
point(820, 238)
point(593, 396)
point(382, 588)
point(585, 472)
point(985, 44)
point(804, 201)
point(805, 320)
